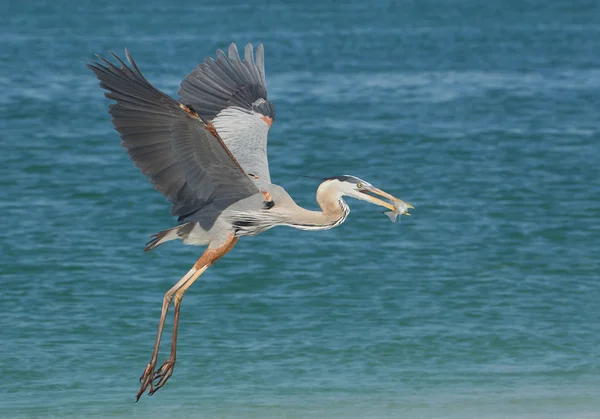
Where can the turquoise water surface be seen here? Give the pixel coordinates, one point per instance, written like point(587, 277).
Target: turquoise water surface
point(484, 304)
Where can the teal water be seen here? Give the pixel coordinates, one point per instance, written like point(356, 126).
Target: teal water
point(484, 304)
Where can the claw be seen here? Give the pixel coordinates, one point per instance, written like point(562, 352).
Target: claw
point(146, 380)
point(162, 375)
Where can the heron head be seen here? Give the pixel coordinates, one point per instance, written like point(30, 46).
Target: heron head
point(360, 189)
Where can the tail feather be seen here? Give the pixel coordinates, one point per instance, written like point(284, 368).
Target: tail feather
point(162, 237)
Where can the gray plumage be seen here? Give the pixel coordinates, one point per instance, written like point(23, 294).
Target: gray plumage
point(232, 94)
point(179, 155)
point(207, 154)
point(219, 83)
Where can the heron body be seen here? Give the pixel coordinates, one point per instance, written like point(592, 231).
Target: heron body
point(207, 154)
point(255, 214)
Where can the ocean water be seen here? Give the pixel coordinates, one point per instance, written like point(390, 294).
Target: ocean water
point(484, 304)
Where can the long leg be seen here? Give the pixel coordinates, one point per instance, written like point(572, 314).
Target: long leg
point(147, 376)
point(166, 370)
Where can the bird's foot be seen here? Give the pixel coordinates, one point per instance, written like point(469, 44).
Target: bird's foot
point(162, 375)
point(146, 380)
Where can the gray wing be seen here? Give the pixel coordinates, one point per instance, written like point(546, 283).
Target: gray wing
point(232, 94)
point(183, 157)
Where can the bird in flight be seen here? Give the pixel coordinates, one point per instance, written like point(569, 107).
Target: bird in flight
point(207, 154)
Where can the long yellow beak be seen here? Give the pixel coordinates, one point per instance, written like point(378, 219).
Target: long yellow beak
point(377, 201)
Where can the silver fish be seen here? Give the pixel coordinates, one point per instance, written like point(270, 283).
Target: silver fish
point(400, 208)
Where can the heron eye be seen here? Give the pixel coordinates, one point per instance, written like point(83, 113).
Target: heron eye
point(359, 185)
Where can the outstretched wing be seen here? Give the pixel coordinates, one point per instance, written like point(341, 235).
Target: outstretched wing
point(232, 94)
point(182, 156)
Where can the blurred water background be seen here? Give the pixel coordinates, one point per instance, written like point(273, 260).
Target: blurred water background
point(484, 304)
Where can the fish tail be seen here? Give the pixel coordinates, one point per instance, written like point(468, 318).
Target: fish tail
point(392, 215)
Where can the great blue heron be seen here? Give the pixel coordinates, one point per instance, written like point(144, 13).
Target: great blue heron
point(207, 153)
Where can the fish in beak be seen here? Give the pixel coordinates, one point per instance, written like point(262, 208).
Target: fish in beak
point(397, 206)
point(400, 207)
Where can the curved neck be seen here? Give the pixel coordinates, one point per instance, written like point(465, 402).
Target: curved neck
point(334, 211)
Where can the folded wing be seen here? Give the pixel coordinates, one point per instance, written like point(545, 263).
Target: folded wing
point(232, 94)
point(180, 154)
